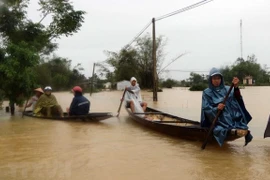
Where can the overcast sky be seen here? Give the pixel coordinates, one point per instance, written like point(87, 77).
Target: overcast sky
point(210, 33)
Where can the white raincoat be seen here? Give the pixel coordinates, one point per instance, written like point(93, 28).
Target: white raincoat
point(136, 98)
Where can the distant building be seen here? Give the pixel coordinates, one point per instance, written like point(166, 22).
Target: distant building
point(108, 85)
point(248, 80)
point(121, 85)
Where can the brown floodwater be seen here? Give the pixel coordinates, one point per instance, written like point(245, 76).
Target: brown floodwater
point(118, 148)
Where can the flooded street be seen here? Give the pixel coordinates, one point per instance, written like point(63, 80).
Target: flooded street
point(120, 149)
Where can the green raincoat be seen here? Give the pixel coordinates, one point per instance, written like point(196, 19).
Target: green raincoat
point(47, 105)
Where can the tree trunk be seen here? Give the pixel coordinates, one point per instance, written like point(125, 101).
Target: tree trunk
point(12, 108)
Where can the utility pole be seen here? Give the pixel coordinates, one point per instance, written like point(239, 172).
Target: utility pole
point(155, 84)
point(241, 43)
point(92, 83)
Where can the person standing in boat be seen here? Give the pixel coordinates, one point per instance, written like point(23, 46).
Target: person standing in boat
point(47, 105)
point(133, 96)
point(234, 116)
point(32, 102)
point(80, 105)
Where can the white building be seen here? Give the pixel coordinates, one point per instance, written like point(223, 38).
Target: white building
point(108, 85)
point(121, 85)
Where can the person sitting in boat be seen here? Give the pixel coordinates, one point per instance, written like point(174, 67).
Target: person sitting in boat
point(32, 102)
point(47, 105)
point(234, 116)
point(80, 105)
point(133, 96)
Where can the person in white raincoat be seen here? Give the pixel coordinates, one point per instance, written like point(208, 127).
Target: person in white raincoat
point(133, 97)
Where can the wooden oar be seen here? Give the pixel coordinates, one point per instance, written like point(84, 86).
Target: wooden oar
point(118, 112)
point(267, 129)
point(24, 108)
point(214, 121)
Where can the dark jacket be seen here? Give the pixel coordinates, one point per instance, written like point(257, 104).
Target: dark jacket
point(79, 106)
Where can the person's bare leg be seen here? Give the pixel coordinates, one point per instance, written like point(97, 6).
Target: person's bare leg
point(132, 106)
point(144, 106)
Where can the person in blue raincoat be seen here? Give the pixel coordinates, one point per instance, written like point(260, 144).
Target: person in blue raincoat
point(234, 116)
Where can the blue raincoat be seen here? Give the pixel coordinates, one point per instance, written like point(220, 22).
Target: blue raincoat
point(233, 116)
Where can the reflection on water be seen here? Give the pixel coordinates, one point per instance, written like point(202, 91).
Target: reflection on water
point(119, 148)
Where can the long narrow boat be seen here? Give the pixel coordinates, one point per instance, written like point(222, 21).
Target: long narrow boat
point(175, 126)
point(93, 116)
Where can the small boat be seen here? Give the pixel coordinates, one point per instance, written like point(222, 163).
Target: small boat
point(91, 117)
point(176, 126)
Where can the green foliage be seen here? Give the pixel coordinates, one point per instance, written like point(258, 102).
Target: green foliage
point(16, 69)
point(197, 78)
point(65, 20)
point(169, 83)
point(135, 61)
point(124, 63)
point(24, 41)
point(242, 68)
point(57, 73)
point(2, 97)
point(197, 82)
point(185, 83)
point(198, 87)
point(96, 84)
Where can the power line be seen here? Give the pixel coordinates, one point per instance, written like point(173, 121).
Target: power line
point(181, 70)
point(139, 34)
point(163, 69)
point(184, 9)
point(166, 16)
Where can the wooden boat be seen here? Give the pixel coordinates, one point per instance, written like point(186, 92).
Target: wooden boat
point(93, 116)
point(175, 126)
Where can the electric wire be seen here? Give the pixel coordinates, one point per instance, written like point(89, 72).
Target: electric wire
point(166, 16)
point(183, 9)
point(138, 35)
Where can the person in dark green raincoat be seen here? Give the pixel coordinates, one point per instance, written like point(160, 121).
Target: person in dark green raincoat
point(47, 105)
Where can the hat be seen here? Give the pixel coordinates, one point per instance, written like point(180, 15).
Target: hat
point(77, 89)
point(39, 90)
point(47, 88)
point(133, 79)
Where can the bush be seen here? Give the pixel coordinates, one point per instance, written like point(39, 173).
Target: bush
point(198, 87)
point(1, 99)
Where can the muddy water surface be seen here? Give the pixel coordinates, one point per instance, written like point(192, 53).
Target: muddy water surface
point(118, 148)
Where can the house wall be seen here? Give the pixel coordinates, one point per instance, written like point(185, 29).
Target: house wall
point(122, 85)
point(107, 85)
point(247, 81)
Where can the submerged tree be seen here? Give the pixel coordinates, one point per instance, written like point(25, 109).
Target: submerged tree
point(136, 61)
point(249, 67)
point(57, 72)
point(24, 42)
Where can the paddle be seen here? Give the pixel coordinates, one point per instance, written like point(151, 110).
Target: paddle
point(214, 121)
point(267, 129)
point(118, 112)
point(24, 108)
